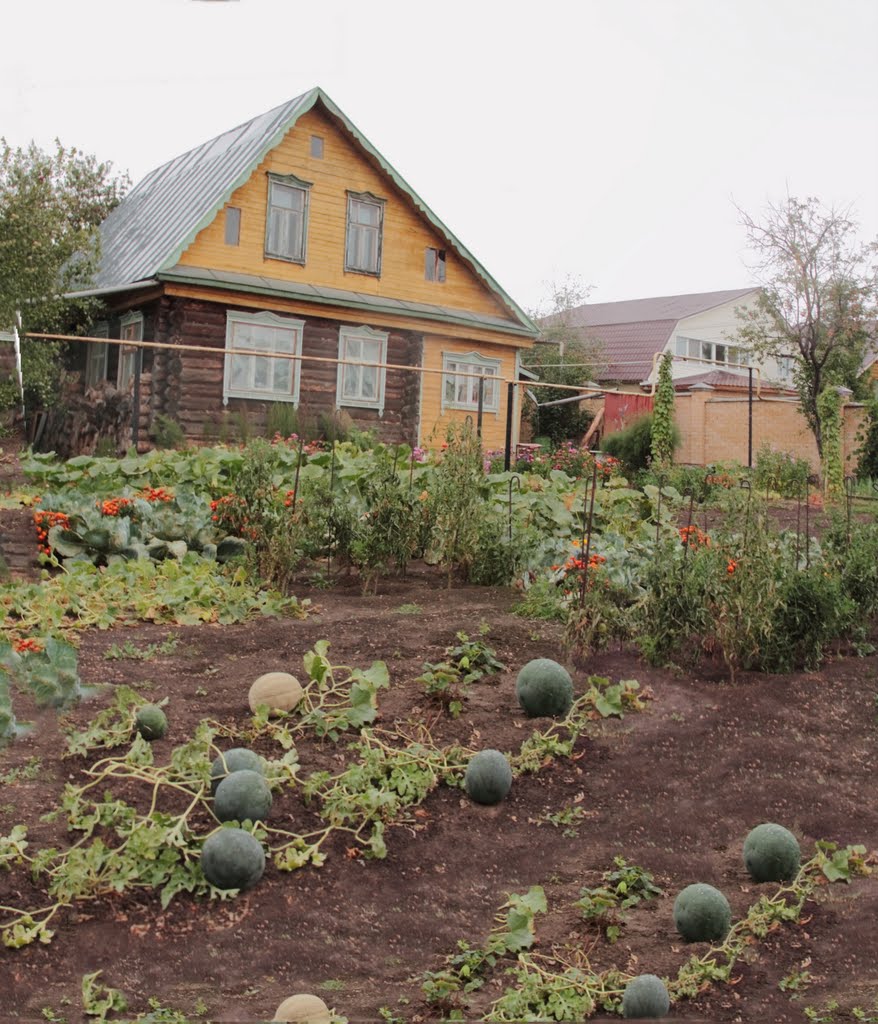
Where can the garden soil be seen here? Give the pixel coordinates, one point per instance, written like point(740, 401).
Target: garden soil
point(674, 789)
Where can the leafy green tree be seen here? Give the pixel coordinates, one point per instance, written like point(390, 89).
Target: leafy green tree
point(662, 438)
point(819, 293)
point(562, 356)
point(50, 207)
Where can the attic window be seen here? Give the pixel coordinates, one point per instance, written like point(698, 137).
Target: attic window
point(233, 225)
point(434, 264)
point(286, 220)
point(317, 147)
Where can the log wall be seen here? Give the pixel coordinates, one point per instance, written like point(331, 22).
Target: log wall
point(188, 386)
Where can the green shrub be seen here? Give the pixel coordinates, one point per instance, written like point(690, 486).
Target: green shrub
point(811, 612)
point(780, 473)
point(488, 777)
point(282, 420)
point(772, 854)
point(232, 859)
point(167, 432)
point(456, 502)
point(702, 914)
point(386, 535)
point(631, 446)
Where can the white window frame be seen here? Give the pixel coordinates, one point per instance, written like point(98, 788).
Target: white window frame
point(289, 181)
point(455, 363)
point(96, 356)
point(695, 348)
point(364, 199)
point(265, 319)
point(360, 334)
point(128, 355)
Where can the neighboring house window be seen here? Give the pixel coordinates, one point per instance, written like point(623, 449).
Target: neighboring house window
point(434, 264)
point(258, 376)
point(711, 351)
point(361, 385)
point(96, 356)
point(460, 390)
point(363, 242)
point(131, 329)
point(784, 367)
point(233, 225)
point(286, 221)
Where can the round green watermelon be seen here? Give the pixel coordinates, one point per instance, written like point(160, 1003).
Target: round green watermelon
point(645, 996)
point(242, 796)
point(234, 760)
point(702, 914)
point(232, 859)
point(772, 854)
point(544, 689)
point(488, 777)
point(151, 722)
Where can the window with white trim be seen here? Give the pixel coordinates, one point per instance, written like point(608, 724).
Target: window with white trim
point(130, 329)
point(96, 356)
point(460, 389)
point(361, 385)
point(711, 351)
point(286, 219)
point(262, 376)
point(364, 227)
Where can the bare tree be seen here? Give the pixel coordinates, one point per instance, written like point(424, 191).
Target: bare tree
point(818, 300)
point(562, 356)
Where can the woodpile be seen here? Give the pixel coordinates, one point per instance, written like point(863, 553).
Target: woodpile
point(98, 421)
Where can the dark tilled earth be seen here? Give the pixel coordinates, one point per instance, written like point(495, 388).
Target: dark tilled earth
point(674, 789)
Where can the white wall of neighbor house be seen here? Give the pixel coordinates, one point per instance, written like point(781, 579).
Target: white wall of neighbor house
point(712, 334)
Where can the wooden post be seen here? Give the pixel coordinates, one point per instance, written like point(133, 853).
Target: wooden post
point(135, 398)
point(510, 401)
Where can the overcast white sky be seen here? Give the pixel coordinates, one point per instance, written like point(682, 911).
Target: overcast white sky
point(605, 139)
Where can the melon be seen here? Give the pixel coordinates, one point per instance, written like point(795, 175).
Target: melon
point(702, 914)
point(232, 859)
point(645, 996)
point(279, 691)
point(544, 689)
point(151, 722)
point(242, 796)
point(234, 760)
point(772, 854)
point(488, 777)
point(303, 1009)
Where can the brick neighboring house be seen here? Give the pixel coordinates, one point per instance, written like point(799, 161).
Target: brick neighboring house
point(698, 328)
point(718, 418)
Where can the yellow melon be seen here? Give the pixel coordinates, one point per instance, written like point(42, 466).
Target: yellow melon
point(279, 690)
point(303, 1009)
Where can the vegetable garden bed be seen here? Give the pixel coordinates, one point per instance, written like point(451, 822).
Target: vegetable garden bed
point(673, 789)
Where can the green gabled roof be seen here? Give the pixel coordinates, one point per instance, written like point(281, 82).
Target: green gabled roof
point(155, 223)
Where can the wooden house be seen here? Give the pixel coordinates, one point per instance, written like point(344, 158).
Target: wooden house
point(292, 234)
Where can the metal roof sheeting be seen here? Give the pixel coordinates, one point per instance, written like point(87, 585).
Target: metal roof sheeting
point(161, 214)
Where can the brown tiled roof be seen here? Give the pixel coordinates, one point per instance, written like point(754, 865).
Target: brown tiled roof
point(633, 331)
point(663, 307)
point(630, 347)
